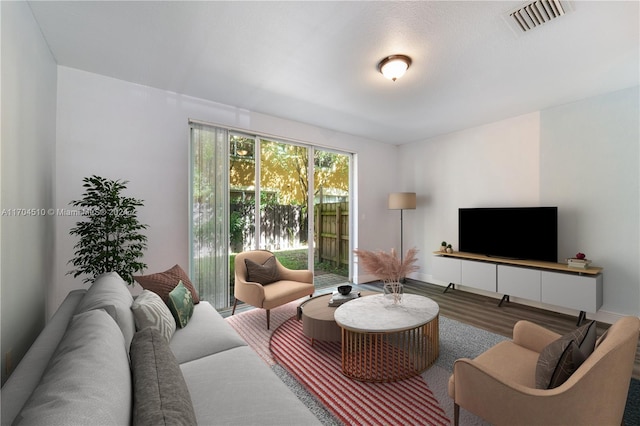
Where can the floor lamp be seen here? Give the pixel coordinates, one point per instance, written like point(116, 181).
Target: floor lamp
point(402, 201)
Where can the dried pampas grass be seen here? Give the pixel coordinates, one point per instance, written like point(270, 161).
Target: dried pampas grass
point(387, 266)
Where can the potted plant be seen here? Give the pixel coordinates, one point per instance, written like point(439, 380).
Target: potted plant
point(443, 246)
point(389, 268)
point(110, 238)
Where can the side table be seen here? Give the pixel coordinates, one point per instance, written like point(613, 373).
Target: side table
point(317, 318)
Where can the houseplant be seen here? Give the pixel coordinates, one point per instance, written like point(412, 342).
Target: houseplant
point(110, 237)
point(389, 268)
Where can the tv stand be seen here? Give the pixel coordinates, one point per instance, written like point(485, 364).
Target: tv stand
point(547, 282)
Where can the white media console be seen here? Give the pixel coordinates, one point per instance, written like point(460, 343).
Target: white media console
point(550, 283)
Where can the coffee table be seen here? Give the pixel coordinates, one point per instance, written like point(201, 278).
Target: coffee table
point(317, 317)
point(382, 342)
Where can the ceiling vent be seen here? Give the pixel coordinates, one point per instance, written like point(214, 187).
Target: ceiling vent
point(536, 13)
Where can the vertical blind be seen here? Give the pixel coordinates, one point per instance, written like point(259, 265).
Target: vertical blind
point(208, 198)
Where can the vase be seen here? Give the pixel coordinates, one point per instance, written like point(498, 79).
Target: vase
point(393, 292)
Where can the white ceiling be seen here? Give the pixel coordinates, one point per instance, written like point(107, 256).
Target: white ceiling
point(315, 62)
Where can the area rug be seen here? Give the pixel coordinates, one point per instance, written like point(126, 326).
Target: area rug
point(431, 387)
point(457, 340)
point(318, 368)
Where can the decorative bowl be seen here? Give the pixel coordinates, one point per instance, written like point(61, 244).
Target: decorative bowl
point(344, 289)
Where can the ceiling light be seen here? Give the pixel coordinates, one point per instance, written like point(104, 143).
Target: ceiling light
point(393, 67)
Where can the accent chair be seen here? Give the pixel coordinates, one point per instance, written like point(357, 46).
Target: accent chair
point(500, 384)
point(263, 282)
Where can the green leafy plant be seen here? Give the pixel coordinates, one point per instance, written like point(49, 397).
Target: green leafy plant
point(110, 238)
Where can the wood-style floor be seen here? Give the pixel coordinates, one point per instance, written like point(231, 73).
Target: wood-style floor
point(483, 312)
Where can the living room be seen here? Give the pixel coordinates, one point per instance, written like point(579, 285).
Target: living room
point(61, 123)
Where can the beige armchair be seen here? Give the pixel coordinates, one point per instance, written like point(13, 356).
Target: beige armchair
point(499, 385)
point(290, 284)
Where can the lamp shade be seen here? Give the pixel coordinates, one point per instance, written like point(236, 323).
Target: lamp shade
point(402, 201)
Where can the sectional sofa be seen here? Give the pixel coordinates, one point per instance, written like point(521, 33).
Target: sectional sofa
point(91, 365)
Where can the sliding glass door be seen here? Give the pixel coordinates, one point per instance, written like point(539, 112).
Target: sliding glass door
point(332, 246)
point(282, 196)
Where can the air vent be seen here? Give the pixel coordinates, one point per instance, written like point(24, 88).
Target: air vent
point(536, 13)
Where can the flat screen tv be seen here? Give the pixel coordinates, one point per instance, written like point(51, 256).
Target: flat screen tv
point(529, 233)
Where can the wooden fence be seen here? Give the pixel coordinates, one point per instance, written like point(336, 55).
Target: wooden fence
point(286, 227)
point(281, 227)
point(332, 232)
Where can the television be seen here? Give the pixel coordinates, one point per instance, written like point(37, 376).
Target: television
point(523, 233)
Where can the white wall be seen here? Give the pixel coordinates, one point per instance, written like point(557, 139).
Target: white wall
point(126, 131)
point(492, 165)
point(590, 168)
point(28, 141)
point(583, 157)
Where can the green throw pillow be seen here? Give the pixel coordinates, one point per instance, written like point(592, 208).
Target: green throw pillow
point(181, 304)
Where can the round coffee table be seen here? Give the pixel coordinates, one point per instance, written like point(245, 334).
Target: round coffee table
point(382, 342)
point(317, 317)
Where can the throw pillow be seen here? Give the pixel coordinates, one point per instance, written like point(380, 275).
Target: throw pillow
point(556, 363)
point(562, 357)
point(264, 274)
point(181, 304)
point(150, 311)
point(160, 393)
point(163, 282)
point(585, 338)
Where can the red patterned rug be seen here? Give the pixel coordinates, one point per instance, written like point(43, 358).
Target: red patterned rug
point(351, 402)
point(318, 369)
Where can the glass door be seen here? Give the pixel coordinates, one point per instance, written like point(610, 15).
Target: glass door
point(268, 187)
point(332, 246)
point(249, 192)
point(284, 211)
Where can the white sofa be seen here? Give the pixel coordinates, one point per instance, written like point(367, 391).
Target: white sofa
point(79, 370)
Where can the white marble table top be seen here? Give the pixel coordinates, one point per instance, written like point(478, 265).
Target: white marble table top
point(374, 314)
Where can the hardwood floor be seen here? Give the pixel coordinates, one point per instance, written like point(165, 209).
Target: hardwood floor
point(483, 312)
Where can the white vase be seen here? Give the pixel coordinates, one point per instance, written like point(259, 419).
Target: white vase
point(393, 292)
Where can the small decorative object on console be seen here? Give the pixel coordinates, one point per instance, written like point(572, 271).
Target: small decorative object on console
point(449, 248)
point(443, 246)
point(580, 261)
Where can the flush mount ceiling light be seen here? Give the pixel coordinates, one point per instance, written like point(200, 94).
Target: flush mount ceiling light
point(393, 67)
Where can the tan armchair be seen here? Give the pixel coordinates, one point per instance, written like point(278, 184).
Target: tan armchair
point(291, 284)
point(499, 385)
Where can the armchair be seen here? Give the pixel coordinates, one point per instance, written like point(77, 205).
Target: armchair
point(289, 284)
point(499, 385)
